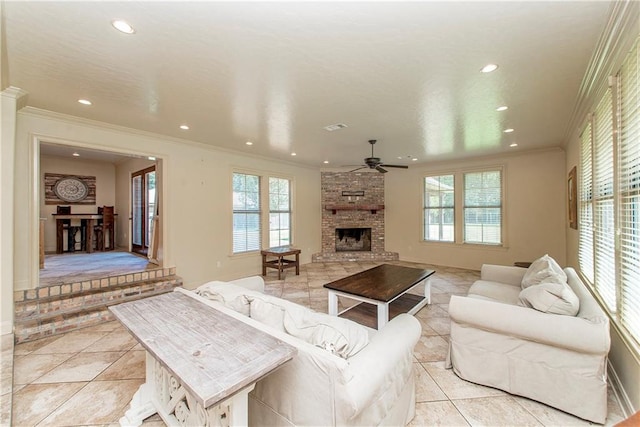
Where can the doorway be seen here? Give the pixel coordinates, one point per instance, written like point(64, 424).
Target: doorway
point(143, 193)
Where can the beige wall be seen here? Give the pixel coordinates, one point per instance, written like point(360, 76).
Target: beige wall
point(534, 211)
point(197, 196)
point(105, 174)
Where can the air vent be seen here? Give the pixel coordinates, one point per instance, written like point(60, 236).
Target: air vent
point(337, 126)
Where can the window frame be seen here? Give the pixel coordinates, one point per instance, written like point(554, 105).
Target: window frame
point(441, 207)
point(500, 207)
point(279, 212)
point(246, 212)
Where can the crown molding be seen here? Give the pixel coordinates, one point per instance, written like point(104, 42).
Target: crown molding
point(618, 35)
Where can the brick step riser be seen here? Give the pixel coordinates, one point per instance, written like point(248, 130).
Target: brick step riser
point(28, 309)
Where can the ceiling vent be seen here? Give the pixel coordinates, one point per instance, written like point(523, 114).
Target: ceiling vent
point(337, 126)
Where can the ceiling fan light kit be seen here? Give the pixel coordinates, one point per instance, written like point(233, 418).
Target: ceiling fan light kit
point(377, 163)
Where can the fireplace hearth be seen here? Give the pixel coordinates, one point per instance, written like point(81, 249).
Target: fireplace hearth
point(353, 239)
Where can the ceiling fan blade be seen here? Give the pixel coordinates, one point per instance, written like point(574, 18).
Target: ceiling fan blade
point(395, 166)
point(379, 169)
point(362, 167)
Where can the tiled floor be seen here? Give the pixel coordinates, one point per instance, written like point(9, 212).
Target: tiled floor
point(87, 377)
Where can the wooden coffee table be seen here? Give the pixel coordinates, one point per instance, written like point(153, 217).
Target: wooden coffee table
point(384, 287)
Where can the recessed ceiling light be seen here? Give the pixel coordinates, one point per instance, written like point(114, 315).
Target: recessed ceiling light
point(184, 127)
point(326, 162)
point(76, 154)
point(84, 101)
point(399, 157)
point(151, 158)
point(508, 130)
point(123, 26)
point(489, 68)
point(414, 159)
point(513, 145)
point(249, 143)
point(293, 154)
point(502, 108)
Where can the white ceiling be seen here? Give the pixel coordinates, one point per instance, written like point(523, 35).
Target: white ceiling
point(405, 73)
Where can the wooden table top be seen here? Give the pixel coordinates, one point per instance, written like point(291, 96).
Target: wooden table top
point(381, 283)
point(213, 354)
point(280, 250)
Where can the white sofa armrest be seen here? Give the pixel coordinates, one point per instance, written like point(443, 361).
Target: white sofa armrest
point(383, 360)
point(502, 274)
point(254, 283)
point(573, 333)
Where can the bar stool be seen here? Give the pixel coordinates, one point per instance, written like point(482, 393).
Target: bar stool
point(105, 228)
point(72, 230)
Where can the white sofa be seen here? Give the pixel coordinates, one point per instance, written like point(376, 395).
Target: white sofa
point(373, 385)
point(559, 360)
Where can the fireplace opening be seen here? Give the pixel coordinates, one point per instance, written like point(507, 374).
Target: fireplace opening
point(353, 239)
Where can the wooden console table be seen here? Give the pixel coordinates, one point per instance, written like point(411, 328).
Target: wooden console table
point(280, 263)
point(201, 362)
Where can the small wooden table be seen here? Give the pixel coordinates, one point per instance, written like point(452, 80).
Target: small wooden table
point(384, 286)
point(280, 263)
point(201, 362)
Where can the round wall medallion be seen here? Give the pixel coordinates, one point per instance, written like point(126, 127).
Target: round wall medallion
point(71, 189)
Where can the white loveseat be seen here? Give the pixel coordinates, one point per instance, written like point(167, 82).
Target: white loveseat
point(372, 385)
point(559, 360)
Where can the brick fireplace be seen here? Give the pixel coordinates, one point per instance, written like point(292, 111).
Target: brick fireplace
point(353, 217)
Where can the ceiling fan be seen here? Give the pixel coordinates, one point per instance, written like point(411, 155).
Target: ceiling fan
point(376, 163)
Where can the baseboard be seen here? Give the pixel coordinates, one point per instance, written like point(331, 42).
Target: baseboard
point(618, 390)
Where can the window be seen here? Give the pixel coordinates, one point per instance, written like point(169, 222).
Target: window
point(483, 207)
point(246, 213)
point(609, 223)
point(439, 208)
point(279, 212)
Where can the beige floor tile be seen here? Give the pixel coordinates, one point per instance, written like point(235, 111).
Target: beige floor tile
point(495, 411)
point(31, 367)
point(31, 346)
point(36, 401)
point(118, 340)
point(426, 388)
point(104, 327)
point(431, 349)
point(130, 366)
point(549, 416)
point(80, 367)
point(100, 402)
point(442, 325)
point(455, 387)
point(153, 421)
point(72, 342)
point(6, 342)
point(437, 414)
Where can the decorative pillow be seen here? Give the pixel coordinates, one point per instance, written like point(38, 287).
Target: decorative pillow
point(556, 298)
point(341, 337)
point(239, 303)
point(267, 313)
point(544, 269)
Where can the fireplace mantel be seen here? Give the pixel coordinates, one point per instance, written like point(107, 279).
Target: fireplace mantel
point(354, 207)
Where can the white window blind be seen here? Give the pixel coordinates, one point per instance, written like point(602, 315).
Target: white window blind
point(246, 213)
point(629, 192)
point(279, 212)
point(603, 201)
point(439, 208)
point(483, 207)
point(585, 251)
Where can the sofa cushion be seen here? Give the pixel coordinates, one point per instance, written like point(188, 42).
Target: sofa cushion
point(556, 298)
point(339, 336)
point(494, 291)
point(238, 303)
point(544, 269)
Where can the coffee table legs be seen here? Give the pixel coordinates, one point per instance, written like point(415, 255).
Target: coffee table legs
point(333, 303)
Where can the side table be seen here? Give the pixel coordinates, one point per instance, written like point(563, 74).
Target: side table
point(280, 263)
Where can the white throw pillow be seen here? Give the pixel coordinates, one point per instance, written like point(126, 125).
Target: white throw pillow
point(338, 336)
point(267, 313)
point(544, 269)
point(556, 298)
